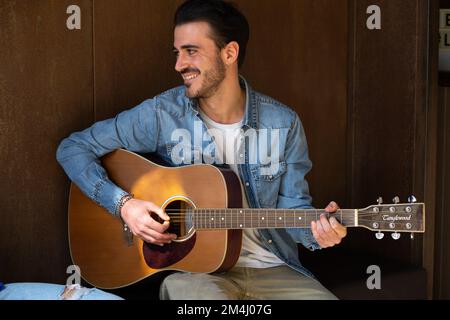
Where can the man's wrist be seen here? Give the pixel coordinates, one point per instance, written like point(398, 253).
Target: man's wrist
point(122, 202)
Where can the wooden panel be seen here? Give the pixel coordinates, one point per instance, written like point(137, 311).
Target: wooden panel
point(442, 263)
point(388, 103)
point(135, 62)
point(427, 119)
point(45, 93)
point(298, 54)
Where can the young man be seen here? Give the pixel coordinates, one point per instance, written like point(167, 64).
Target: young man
point(210, 39)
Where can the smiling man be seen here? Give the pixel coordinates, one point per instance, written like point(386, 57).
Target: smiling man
point(210, 39)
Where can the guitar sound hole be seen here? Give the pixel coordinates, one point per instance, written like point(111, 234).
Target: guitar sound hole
point(181, 219)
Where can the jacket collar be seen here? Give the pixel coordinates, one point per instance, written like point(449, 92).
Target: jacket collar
point(251, 105)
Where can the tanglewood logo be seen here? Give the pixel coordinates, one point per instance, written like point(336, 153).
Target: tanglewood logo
point(387, 217)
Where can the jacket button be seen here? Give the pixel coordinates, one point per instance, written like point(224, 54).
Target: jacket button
point(269, 241)
point(247, 184)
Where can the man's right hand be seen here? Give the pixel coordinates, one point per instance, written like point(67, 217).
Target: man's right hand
point(137, 215)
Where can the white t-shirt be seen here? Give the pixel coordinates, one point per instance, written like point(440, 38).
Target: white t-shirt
point(227, 140)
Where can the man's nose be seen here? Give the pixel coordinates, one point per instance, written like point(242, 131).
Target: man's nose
point(180, 65)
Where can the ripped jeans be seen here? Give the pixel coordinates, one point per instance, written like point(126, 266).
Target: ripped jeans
point(47, 291)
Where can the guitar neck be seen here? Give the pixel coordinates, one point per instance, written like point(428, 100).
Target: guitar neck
point(206, 219)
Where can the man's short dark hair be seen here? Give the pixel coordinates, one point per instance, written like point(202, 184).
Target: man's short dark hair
point(226, 21)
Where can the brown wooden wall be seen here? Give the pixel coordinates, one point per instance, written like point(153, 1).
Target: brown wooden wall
point(55, 81)
point(299, 56)
point(387, 112)
point(442, 265)
point(392, 119)
point(46, 82)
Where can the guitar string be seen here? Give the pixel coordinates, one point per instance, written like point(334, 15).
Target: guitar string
point(291, 221)
point(198, 210)
point(174, 212)
point(287, 214)
point(266, 216)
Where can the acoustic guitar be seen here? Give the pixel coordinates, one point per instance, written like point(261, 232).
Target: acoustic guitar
point(204, 203)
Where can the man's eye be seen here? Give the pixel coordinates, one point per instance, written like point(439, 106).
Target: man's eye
point(191, 52)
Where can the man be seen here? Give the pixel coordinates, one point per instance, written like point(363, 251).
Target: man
point(210, 39)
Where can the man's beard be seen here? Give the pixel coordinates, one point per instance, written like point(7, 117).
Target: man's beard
point(211, 81)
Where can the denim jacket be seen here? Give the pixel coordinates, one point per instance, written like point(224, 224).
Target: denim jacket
point(150, 127)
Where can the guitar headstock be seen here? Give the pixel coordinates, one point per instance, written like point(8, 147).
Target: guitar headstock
point(396, 217)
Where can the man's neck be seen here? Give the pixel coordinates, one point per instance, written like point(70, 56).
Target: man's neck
point(227, 105)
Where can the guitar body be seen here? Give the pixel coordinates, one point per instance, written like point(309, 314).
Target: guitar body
point(110, 257)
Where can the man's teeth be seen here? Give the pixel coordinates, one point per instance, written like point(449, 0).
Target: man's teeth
point(190, 77)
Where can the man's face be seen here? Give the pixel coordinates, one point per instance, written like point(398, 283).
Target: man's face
point(198, 59)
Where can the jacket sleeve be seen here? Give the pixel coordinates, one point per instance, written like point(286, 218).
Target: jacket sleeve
point(135, 130)
point(294, 190)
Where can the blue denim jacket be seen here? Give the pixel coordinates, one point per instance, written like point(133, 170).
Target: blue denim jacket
point(148, 128)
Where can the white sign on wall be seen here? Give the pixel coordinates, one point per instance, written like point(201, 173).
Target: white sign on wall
point(444, 40)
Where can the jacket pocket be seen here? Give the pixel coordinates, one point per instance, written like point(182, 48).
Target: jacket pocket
point(267, 180)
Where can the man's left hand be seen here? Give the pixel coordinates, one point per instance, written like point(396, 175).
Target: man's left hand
point(328, 232)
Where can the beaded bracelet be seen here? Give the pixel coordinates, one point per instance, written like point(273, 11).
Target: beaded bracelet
point(122, 202)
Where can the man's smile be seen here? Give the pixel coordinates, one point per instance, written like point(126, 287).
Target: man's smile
point(189, 76)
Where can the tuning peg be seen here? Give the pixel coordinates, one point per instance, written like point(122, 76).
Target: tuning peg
point(379, 235)
point(380, 200)
point(412, 199)
point(396, 200)
point(396, 236)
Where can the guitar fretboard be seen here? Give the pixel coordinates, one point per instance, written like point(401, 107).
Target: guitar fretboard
point(266, 218)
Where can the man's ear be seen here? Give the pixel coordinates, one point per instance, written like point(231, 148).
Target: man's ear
point(230, 53)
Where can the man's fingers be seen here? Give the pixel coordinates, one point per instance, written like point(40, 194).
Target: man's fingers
point(338, 228)
point(332, 207)
point(317, 235)
point(325, 231)
point(161, 237)
point(159, 211)
point(155, 225)
point(156, 228)
point(151, 236)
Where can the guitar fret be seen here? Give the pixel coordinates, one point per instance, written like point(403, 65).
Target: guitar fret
point(231, 218)
point(241, 215)
point(222, 220)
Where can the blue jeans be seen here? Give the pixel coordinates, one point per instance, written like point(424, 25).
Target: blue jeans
point(47, 291)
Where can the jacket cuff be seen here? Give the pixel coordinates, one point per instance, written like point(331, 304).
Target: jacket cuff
point(109, 196)
point(309, 241)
